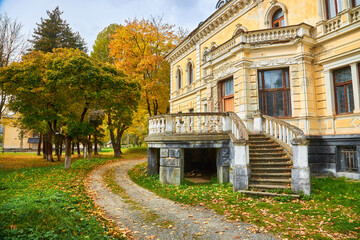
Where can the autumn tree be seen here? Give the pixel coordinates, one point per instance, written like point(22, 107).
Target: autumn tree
point(101, 51)
point(54, 32)
point(12, 46)
point(120, 110)
point(62, 89)
point(139, 48)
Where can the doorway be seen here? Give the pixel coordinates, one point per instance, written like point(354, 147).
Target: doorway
point(227, 95)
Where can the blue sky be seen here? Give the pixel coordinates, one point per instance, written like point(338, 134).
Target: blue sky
point(89, 17)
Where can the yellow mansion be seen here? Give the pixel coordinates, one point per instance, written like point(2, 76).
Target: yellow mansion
point(263, 93)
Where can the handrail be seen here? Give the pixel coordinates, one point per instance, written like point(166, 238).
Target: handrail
point(283, 131)
point(199, 123)
point(241, 132)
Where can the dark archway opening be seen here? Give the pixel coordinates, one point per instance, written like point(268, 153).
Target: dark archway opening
point(200, 164)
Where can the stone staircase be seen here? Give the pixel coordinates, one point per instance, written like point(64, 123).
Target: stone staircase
point(270, 165)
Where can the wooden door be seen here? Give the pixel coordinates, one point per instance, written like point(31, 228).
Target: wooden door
point(227, 95)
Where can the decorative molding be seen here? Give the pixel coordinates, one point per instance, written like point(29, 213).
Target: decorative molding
point(274, 62)
point(356, 122)
point(225, 70)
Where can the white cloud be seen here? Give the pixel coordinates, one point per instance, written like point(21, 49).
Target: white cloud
point(89, 17)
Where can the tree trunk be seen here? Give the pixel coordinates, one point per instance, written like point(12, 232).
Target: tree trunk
point(48, 152)
point(85, 150)
point(96, 145)
point(72, 148)
point(60, 149)
point(78, 149)
point(39, 145)
point(67, 152)
point(44, 149)
point(89, 148)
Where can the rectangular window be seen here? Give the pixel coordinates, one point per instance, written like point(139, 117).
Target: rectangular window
point(344, 98)
point(355, 3)
point(333, 7)
point(274, 92)
point(349, 160)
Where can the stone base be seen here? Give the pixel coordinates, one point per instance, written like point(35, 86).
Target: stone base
point(241, 178)
point(223, 174)
point(300, 181)
point(171, 166)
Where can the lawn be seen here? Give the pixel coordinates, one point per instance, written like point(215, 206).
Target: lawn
point(332, 212)
point(43, 201)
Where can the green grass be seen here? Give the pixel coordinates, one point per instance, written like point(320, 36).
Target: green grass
point(50, 203)
point(332, 212)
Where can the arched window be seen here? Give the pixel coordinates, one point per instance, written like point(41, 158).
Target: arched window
point(178, 78)
point(190, 73)
point(333, 7)
point(278, 19)
point(276, 15)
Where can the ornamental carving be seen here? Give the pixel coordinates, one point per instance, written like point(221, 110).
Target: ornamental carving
point(274, 62)
point(224, 70)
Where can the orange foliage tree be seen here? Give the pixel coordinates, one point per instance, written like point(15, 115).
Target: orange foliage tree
point(139, 49)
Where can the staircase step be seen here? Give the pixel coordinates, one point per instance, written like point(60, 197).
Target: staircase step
point(267, 194)
point(266, 150)
point(282, 175)
point(261, 170)
point(270, 181)
point(263, 186)
point(271, 165)
point(264, 146)
point(269, 159)
point(269, 154)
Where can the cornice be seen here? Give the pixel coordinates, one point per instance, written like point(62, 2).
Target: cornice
point(220, 18)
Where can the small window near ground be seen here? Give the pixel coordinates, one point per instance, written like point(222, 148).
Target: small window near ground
point(349, 160)
point(344, 98)
point(278, 19)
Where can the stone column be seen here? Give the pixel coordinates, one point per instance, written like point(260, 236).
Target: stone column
point(223, 165)
point(241, 169)
point(153, 161)
point(300, 175)
point(258, 122)
point(172, 166)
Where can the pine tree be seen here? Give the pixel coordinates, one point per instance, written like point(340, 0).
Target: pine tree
point(55, 32)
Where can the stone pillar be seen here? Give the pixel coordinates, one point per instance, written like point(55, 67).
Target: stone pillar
point(172, 166)
point(241, 169)
point(258, 123)
point(153, 161)
point(300, 175)
point(223, 165)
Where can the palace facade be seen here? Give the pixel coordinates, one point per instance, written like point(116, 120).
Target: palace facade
point(270, 89)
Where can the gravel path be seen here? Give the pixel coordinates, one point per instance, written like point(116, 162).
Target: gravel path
point(183, 222)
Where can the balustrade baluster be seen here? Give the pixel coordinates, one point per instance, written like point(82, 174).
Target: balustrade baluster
point(192, 126)
point(221, 124)
point(199, 124)
point(267, 126)
point(287, 135)
point(284, 133)
point(206, 124)
point(280, 131)
point(271, 128)
point(178, 125)
point(276, 130)
point(184, 127)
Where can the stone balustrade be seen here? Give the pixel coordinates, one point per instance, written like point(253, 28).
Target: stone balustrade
point(343, 19)
point(198, 123)
point(260, 36)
